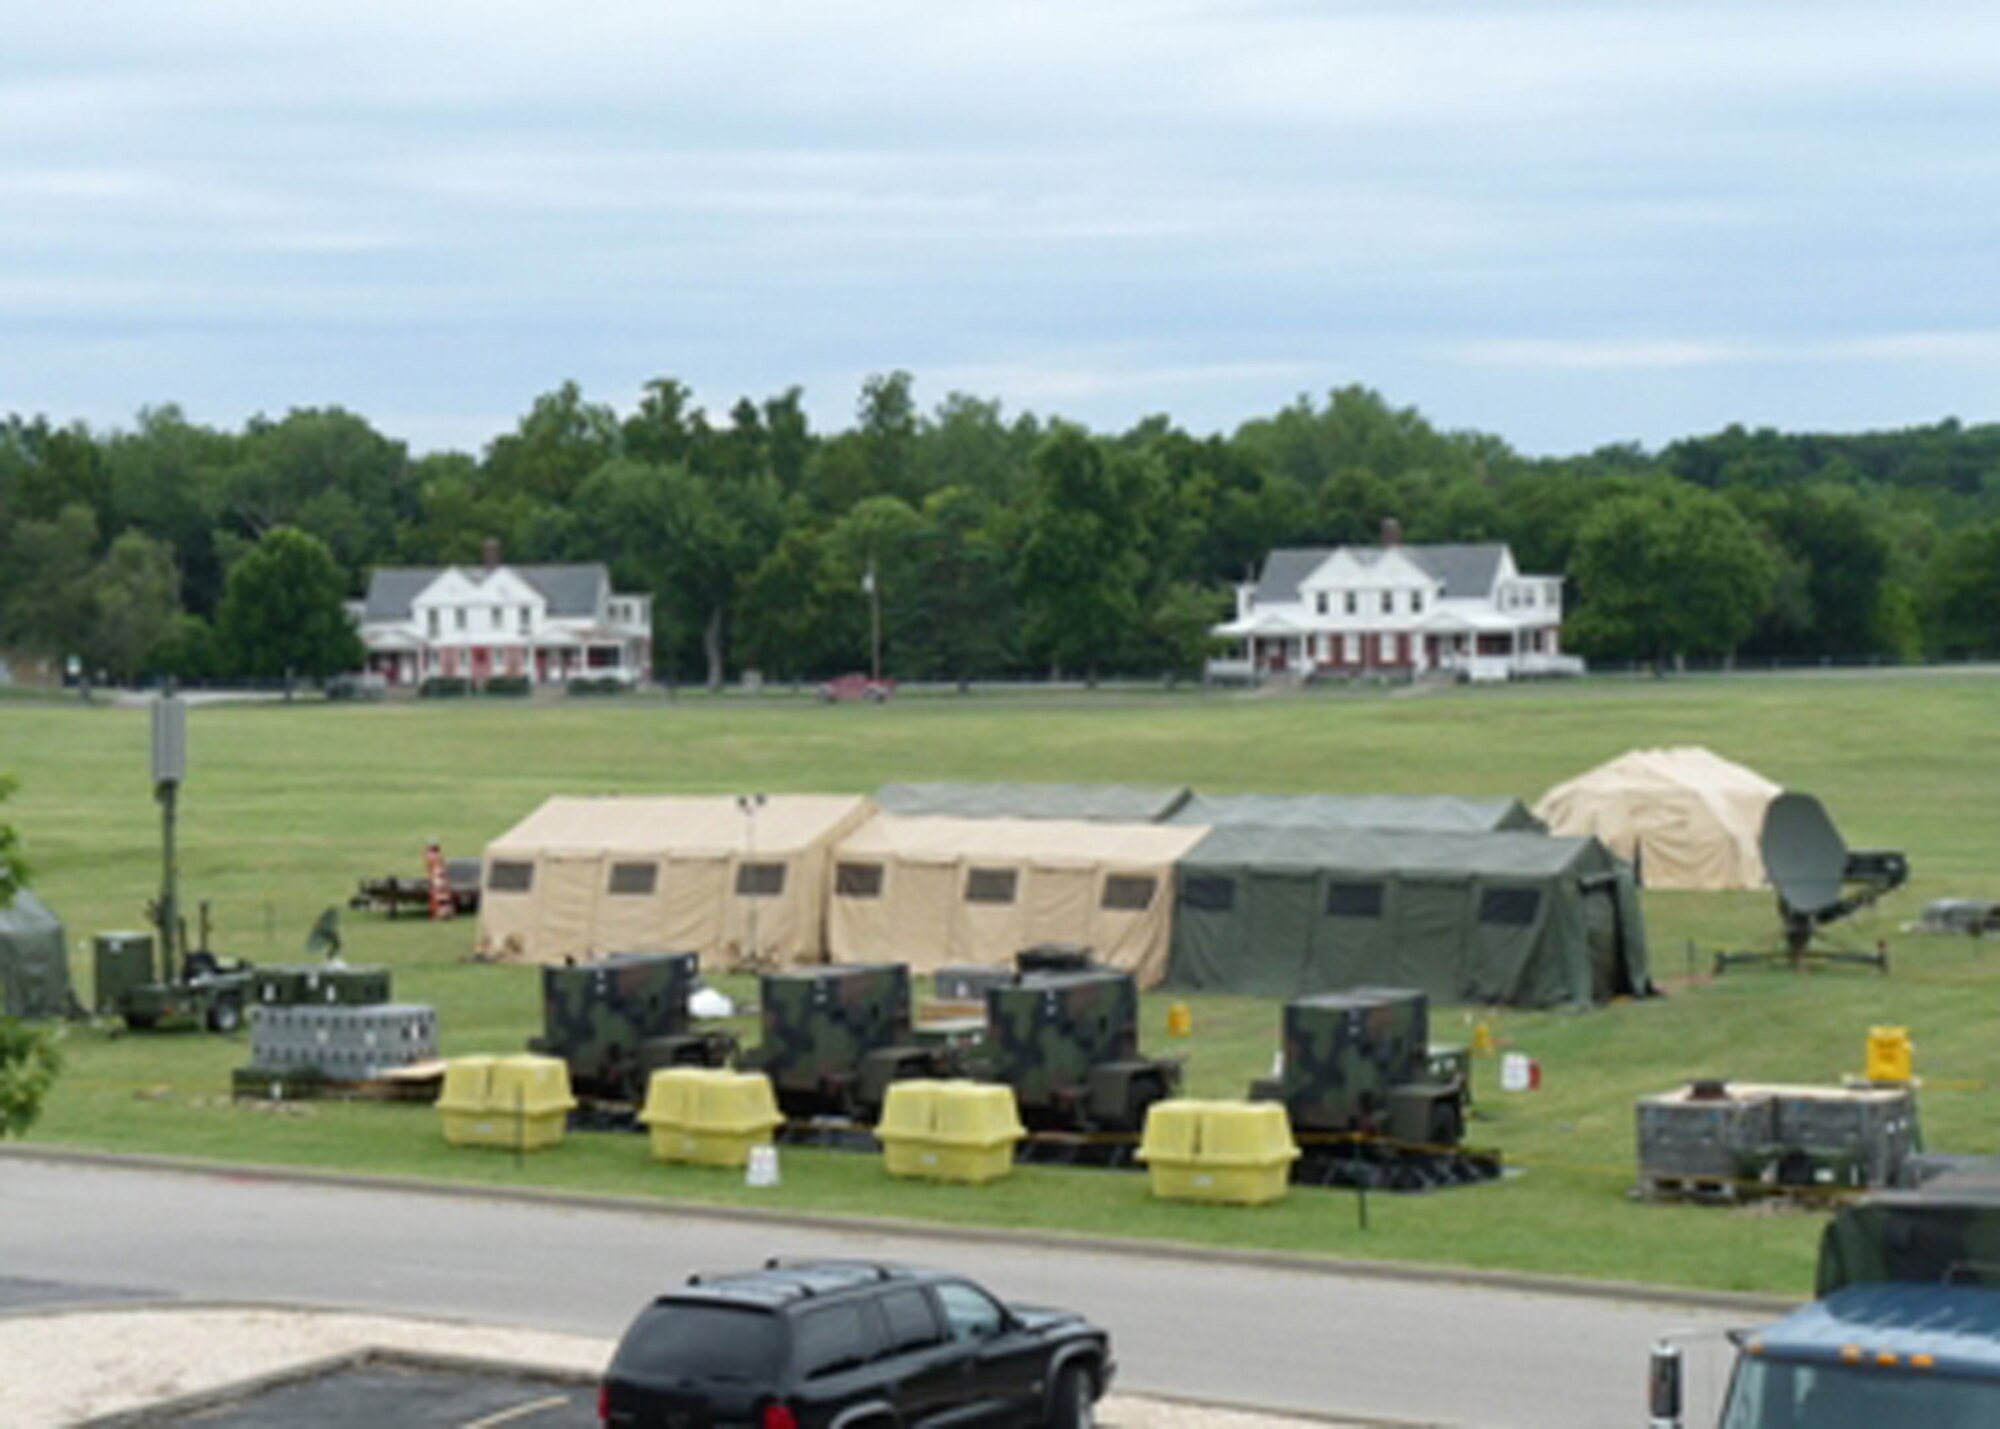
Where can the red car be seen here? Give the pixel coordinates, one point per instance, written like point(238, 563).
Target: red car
point(856, 687)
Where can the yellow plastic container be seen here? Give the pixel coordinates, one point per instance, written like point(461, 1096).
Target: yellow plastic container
point(1180, 1020)
point(709, 1116)
point(1889, 1054)
point(507, 1103)
point(963, 1132)
point(1239, 1153)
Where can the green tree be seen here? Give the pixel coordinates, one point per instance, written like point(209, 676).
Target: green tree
point(561, 441)
point(45, 566)
point(1963, 602)
point(1668, 572)
point(283, 613)
point(29, 1062)
point(13, 868)
point(132, 599)
point(1079, 568)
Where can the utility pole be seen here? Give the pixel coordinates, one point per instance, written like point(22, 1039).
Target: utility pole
point(750, 804)
point(874, 590)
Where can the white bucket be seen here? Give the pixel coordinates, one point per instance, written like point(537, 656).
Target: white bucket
point(762, 1168)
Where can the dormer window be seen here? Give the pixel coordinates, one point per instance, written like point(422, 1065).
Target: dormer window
point(1416, 602)
point(460, 613)
point(1352, 603)
point(1388, 602)
point(1320, 602)
point(525, 617)
point(432, 613)
point(499, 617)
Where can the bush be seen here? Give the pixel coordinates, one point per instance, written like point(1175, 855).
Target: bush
point(601, 685)
point(508, 685)
point(444, 687)
point(28, 1066)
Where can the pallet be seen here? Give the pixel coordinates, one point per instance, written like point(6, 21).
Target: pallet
point(1711, 1190)
point(420, 1083)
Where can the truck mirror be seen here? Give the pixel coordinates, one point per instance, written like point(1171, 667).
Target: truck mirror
point(1664, 1386)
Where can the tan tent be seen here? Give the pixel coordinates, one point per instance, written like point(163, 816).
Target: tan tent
point(932, 891)
point(586, 877)
point(1689, 817)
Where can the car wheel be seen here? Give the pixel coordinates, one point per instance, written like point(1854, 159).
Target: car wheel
point(1071, 1406)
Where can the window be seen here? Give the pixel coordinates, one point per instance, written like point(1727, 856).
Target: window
point(912, 1324)
point(460, 613)
point(760, 880)
point(1319, 602)
point(858, 880)
point(1509, 907)
point(633, 880)
point(971, 1313)
point(432, 622)
point(499, 617)
point(989, 885)
point(834, 1339)
point(1353, 900)
point(525, 616)
point(713, 1341)
point(1352, 605)
point(510, 877)
point(1416, 602)
point(1204, 893)
point(1388, 602)
point(1128, 892)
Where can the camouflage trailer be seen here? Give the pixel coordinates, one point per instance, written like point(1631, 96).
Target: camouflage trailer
point(1358, 1063)
point(618, 1021)
point(1068, 1043)
point(834, 1038)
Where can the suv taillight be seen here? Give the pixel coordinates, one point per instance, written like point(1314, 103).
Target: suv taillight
point(603, 1403)
point(779, 1416)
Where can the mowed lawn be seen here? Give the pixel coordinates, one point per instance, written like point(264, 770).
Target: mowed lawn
point(286, 807)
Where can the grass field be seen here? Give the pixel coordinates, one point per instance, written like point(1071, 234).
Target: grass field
point(286, 807)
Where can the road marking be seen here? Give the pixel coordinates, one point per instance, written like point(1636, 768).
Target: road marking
point(519, 1411)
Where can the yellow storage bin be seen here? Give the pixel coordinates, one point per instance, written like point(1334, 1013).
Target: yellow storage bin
point(508, 1103)
point(1889, 1054)
point(1235, 1152)
point(708, 1116)
point(962, 1132)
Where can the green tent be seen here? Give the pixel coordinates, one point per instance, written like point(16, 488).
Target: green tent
point(34, 961)
point(1103, 803)
point(1426, 813)
point(1515, 918)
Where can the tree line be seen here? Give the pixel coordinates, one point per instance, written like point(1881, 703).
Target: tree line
point(997, 544)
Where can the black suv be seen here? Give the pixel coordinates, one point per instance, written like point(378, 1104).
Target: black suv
point(850, 1345)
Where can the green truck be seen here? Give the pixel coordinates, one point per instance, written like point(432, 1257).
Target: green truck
point(1904, 1329)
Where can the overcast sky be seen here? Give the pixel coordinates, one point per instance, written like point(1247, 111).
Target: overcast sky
point(1568, 223)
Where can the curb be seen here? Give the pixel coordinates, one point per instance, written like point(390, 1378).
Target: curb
point(1520, 1282)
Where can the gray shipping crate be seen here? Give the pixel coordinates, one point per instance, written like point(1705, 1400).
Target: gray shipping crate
point(1877, 1125)
point(1683, 1137)
point(967, 982)
point(349, 1044)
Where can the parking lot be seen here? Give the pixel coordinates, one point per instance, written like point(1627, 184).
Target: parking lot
point(421, 1398)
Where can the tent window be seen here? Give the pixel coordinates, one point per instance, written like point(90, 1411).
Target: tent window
point(1354, 900)
point(1128, 892)
point(760, 880)
point(1510, 907)
point(1208, 894)
point(633, 880)
point(508, 877)
point(858, 880)
point(989, 885)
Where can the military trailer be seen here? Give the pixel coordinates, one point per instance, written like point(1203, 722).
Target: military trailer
point(1068, 1044)
point(835, 1037)
point(619, 1020)
point(208, 992)
point(1356, 1080)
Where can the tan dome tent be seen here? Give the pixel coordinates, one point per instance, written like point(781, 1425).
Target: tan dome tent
point(934, 891)
point(587, 877)
point(1688, 817)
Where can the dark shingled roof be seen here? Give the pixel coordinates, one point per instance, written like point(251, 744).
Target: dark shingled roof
point(1463, 570)
point(571, 591)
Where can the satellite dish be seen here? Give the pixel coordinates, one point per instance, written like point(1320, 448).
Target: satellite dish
point(1803, 853)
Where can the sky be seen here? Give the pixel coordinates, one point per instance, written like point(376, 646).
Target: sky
point(1566, 223)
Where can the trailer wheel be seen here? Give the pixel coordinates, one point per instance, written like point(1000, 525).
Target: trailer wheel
point(225, 1015)
point(1446, 1127)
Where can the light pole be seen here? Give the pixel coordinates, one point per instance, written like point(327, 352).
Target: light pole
point(750, 804)
point(870, 585)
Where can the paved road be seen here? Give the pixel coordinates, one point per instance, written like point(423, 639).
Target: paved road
point(1299, 1340)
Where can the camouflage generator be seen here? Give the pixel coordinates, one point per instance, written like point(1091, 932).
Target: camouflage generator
point(1358, 1064)
point(1068, 1043)
point(836, 1037)
point(618, 1021)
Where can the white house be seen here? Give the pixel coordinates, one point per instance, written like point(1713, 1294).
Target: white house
point(1395, 609)
point(549, 623)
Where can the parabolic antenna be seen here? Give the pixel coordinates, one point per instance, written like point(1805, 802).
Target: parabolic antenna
point(1803, 853)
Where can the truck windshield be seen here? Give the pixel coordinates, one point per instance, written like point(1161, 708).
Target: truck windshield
point(1768, 1394)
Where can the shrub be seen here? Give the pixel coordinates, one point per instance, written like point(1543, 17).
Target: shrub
point(444, 687)
point(508, 685)
point(601, 685)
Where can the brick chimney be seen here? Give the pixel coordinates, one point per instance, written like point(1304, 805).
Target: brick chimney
point(1392, 532)
point(489, 551)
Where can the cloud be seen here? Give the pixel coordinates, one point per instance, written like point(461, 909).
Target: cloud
point(1630, 354)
